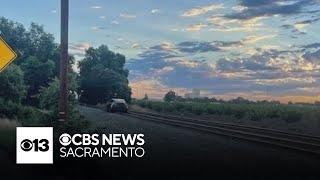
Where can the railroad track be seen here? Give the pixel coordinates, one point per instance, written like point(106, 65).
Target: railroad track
point(291, 141)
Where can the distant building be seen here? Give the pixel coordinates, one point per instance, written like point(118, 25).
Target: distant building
point(194, 94)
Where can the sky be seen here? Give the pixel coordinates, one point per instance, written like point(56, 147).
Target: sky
point(257, 49)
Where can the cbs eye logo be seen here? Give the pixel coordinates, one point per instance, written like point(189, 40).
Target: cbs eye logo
point(65, 139)
point(37, 145)
point(34, 145)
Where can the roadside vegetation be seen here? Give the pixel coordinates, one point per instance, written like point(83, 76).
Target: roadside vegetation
point(29, 87)
point(238, 108)
point(103, 76)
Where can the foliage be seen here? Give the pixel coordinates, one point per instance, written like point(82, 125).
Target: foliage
point(170, 96)
point(49, 96)
point(255, 112)
point(145, 97)
point(37, 75)
point(102, 76)
point(30, 80)
point(26, 115)
point(12, 86)
point(38, 55)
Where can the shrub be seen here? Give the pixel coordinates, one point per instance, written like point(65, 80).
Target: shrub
point(26, 115)
point(255, 112)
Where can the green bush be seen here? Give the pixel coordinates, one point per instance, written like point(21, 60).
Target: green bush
point(254, 112)
point(26, 115)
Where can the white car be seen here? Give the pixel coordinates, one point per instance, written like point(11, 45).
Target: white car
point(117, 105)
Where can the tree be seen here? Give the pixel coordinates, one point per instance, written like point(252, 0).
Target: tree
point(38, 55)
point(170, 96)
point(145, 97)
point(240, 100)
point(30, 79)
point(12, 86)
point(37, 74)
point(49, 96)
point(102, 76)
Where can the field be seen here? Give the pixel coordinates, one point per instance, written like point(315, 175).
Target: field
point(297, 118)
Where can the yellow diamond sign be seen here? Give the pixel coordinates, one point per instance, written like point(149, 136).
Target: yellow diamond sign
point(7, 55)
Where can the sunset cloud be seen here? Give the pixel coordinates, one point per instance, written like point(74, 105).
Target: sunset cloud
point(201, 10)
point(262, 49)
point(196, 27)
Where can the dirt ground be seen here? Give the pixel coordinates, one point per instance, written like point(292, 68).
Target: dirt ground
point(176, 152)
point(171, 153)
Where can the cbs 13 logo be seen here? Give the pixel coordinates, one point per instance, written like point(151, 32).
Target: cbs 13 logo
point(35, 145)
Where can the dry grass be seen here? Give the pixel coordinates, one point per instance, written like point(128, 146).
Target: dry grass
point(8, 124)
point(7, 133)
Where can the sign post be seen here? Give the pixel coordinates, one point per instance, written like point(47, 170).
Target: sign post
point(7, 55)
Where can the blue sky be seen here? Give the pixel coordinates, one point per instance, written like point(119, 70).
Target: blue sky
point(258, 49)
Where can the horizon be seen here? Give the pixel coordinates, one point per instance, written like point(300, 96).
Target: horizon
point(256, 50)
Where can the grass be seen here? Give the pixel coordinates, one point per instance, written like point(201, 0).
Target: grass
point(254, 112)
point(26, 115)
point(8, 133)
point(14, 114)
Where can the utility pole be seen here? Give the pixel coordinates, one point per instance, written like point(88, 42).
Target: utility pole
point(63, 101)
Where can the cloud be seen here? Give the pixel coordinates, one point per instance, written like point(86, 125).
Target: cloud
point(213, 46)
point(135, 46)
point(96, 7)
point(53, 11)
point(78, 49)
point(201, 10)
point(127, 16)
point(312, 57)
point(223, 24)
point(269, 8)
point(153, 87)
point(226, 65)
point(299, 26)
point(254, 39)
point(164, 47)
point(286, 62)
point(102, 17)
point(97, 28)
point(155, 11)
point(239, 8)
point(196, 47)
point(313, 45)
point(115, 22)
point(309, 21)
point(278, 72)
point(196, 27)
point(163, 70)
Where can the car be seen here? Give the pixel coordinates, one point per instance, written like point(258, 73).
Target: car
point(117, 105)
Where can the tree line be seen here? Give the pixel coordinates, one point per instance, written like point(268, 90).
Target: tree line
point(32, 79)
point(171, 96)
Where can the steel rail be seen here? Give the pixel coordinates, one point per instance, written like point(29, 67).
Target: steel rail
point(272, 137)
point(302, 137)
